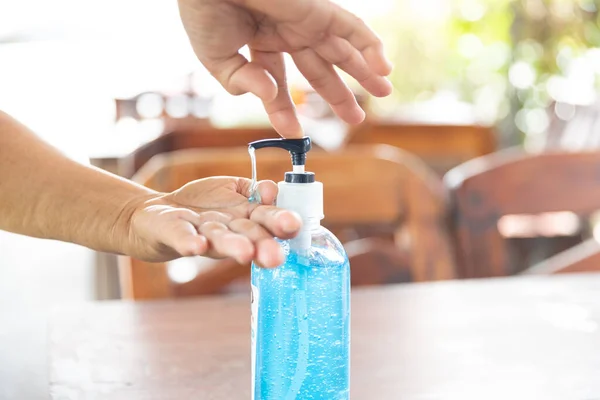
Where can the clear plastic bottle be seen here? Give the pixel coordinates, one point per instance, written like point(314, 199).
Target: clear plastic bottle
point(301, 309)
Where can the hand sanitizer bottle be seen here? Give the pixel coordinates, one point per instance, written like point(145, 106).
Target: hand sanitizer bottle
point(301, 309)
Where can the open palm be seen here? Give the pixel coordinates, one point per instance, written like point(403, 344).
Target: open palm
point(212, 217)
point(318, 34)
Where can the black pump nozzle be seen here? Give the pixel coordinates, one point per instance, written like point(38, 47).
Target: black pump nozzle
point(297, 147)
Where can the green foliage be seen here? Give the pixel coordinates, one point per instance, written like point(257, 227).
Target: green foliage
point(509, 58)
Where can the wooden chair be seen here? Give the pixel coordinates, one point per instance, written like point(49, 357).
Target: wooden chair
point(513, 182)
point(367, 189)
point(191, 137)
point(572, 127)
point(440, 146)
point(583, 257)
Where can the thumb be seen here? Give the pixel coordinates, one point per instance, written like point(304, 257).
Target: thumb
point(267, 190)
point(238, 76)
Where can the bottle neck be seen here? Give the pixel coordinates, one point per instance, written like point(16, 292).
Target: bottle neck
point(303, 239)
point(310, 224)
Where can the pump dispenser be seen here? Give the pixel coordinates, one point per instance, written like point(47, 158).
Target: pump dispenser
point(301, 309)
point(298, 191)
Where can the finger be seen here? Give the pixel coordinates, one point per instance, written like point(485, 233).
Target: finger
point(348, 26)
point(323, 78)
point(212, 216)
point(281, 110)
point(283, 10)
point(281, 223)
point(238, 76)
point(268, 252)
point(267, 190)
point(340, 52)
point(225, 243)
point(180, 234)
point(182, 237)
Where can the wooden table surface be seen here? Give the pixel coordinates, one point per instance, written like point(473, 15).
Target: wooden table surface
point(511, 338)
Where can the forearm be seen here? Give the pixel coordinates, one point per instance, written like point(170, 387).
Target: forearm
point(45, 194)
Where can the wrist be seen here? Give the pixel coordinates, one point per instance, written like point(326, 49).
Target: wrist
point(125, 241)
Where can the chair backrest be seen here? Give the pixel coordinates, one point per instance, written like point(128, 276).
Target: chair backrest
point(373, 187)
point(572, 127)
point(440, 146)
point(191, 137)
point(514, 182)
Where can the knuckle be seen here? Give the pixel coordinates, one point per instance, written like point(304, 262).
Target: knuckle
point(359, 21)
point(346, 59)
point(319, 82)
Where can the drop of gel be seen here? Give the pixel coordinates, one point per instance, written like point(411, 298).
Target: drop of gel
point(254, 195)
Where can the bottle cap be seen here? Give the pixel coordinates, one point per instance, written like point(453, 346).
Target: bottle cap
point(304, 198)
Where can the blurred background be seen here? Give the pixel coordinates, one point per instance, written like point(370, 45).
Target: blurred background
point(469, 61)
point(487, 167)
